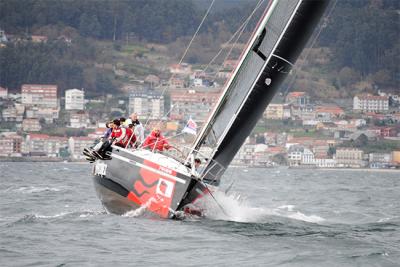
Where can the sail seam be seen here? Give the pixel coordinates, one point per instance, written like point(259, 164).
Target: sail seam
point(281, 58)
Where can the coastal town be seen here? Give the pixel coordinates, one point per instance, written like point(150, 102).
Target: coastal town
point(41, 122)
point(38, 124)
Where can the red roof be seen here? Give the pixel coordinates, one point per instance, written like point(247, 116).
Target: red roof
point(330, 109)
point(296, 94)
point(275, 150)
point(58, 138)
point(82, 138)
point(39, 136)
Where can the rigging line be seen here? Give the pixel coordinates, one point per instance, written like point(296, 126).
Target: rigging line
point(230, 50)
point(191, 41)
point(219, 205)
point(291, 83)
point(205, 127)
point(198, 29)
point(244, 24)
point(241, 32)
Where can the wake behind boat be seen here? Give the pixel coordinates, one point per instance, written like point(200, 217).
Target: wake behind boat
point(129, 178)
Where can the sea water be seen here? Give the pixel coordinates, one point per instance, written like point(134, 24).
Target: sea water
point(50, 216)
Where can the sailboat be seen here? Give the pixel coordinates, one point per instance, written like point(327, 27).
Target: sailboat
point(132, 178)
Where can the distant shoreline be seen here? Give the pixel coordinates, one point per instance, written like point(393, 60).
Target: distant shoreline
point(26, 159)
point(324, 169)
point(359, 169)
point(38, 159)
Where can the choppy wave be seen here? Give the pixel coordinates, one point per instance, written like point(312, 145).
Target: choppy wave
point(388, 219)
point(233, 207)
point(35, 189)
point(31, 218)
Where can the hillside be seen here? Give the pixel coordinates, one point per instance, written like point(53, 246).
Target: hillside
point(357, 51)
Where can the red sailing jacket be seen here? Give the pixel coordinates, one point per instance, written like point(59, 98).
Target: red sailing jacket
point(123, 136)
point(153, 142)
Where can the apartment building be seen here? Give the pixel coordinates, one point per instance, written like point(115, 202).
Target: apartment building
point(370, 103)
point(41, 95)
point(74, 99)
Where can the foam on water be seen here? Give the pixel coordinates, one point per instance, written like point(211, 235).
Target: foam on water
point(232, 207)
point(141, 210)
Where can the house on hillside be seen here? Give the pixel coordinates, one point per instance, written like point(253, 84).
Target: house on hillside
point(298, 98)
point(39, 38)
point(3, 37)
point(3, 92)
point(370, 103)
point(181, 69)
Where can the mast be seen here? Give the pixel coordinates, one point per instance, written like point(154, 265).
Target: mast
point(279, 38)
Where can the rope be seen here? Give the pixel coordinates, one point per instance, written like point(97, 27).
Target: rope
point(194, 36)
point(198, 29)
point(187, 49)
point(240, 29)
point(219, 205)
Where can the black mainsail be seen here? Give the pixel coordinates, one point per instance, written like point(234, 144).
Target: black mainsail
point(276, 44)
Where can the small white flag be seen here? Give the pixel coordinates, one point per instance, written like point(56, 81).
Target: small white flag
point(191, 127)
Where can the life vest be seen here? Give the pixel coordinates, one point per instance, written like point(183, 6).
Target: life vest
point(123, 136)
point(155, 142)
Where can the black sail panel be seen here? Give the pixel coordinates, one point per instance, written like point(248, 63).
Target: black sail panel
point(281, 36)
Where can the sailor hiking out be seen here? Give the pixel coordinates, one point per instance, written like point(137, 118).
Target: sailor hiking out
point(122, 136)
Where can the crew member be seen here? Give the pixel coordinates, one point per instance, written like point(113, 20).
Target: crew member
point(155, 141)
point(139, 129)
point(105, 136)
point(197, 163)
point(122, 136)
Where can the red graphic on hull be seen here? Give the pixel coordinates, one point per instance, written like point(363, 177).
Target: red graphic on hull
point(154, 189)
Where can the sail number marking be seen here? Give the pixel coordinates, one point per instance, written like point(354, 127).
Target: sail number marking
point(100, 169)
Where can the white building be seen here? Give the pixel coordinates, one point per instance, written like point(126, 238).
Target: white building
point(77, 144)
point(44, 145)
point(31, 125)
point(41, 95)
point(370, 103)
point(13, 113)
point(79, 119)
point(48, 114)
point(74, 99)
point(245, 155)
point(3, 92)
point(350, 157)
point(325, 163)
point(307, 158)
point(181, 69)
point(192, 103)
point(3, 37)
point(6, 146)
point(295, 155)
point(274, 111)
point(149, 104)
